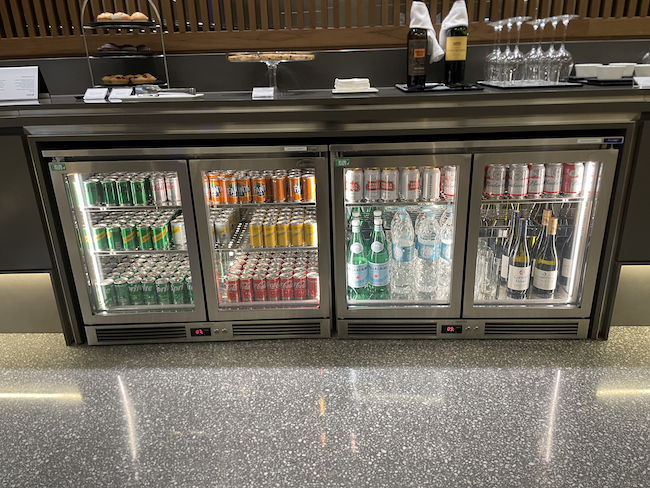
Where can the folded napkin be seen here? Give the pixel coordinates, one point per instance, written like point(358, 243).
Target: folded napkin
point(421, 19)
point(457, 17)
point(351, 84)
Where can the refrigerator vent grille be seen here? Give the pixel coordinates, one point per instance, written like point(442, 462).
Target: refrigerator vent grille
point(495, 329)
point(279, 330)
point(140, 334)
point(388, 329)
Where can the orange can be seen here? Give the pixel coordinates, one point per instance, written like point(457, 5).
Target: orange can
point(269, 186)
point(309, 188)
point(297, 233)
point(259, 188)
point(279, 188)
point(244, 189)
point(294, 192)
point(256, 231)
point(231, 189)
point(216, 189)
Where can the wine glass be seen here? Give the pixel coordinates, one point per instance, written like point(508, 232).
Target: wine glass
point(552, 60)
point(518, 57)
point(507, 66)
point(492, 71)
point(532, 60)
point(566, 60)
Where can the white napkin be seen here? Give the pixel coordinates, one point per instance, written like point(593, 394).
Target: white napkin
point(457, 17)
point(352, 84)
point(421, 19)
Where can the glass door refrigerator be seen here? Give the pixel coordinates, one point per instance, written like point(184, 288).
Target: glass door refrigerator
point(129, 230)
point(264, 233)
point(400, 214)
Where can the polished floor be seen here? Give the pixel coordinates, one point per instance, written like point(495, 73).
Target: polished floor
point(326, 413)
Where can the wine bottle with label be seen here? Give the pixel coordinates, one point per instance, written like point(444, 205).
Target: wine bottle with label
point(539, 241)
point(567, 258)
point(546, 264)
point(416, 58)
point(455, 55)
point(519, 264)
point(507, 246)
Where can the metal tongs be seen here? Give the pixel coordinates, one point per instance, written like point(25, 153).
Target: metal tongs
point(155, 90)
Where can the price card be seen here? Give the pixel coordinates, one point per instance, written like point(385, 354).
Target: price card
point(117, 94)
point(642, 82)
point(263, 93)
point(19, 83)
point(95, 95)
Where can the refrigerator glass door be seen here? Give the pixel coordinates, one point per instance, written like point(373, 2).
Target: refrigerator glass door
point(538, 231)
point(137, 253)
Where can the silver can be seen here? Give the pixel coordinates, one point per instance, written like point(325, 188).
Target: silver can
point(590, 178)
point(222, 232)
point(389, 184)
point(179, 236)
point(372, 184)
point(353, 185)
point(536, 174)
point(430, 184)
point(518, 180)
point(159, 189)
point(449, 183)
point(495, 181)
point(410, 184)
point(173, 188)
point(553, 179)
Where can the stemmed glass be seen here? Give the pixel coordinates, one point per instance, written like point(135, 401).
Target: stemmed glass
point(551, 59)
point(532, 60)
point(518, 57)
point(492, 71)
point(566, 60)
point(507, 71)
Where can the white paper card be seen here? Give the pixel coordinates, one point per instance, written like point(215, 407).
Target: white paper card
point(19, 83)
point(95, 95)
point(642, 81)
point(263, 93)
point(117, 94)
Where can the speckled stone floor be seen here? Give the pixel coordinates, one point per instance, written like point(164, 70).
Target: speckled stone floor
point(326, 413)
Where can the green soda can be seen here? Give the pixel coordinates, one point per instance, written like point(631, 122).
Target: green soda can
point(190, 289)
point(160, 236)
point(163, 289)
point(98, 233)
point(107, 292)
point(167, 274)
point(149, 295)
point(144, 236)
point(114, 236)
point(93, 191)
point(124, 196)
point(178, 290)
point(139, 191)
point(122, 291)
point(135, 290)
point(128, 236)
point(110, 192)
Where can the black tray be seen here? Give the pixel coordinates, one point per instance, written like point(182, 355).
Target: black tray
point(108, 54)
point(131, 85)
point(625, 81)
point(434, 87)
point(561, 84)
point(123, 24)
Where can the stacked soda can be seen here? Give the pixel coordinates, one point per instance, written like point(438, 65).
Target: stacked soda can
point(133, 230)
point(245, 186)
point(132, 189)
point(224, 223)
point(145, 280)
point(407, 184)
point(535, 180)
point(273, 276)
point(285, 227)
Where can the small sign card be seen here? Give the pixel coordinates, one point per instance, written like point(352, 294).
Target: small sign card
point(117, 94)
point(19, 83)
point(95, 95)
point(263, 93)
point(642, 82)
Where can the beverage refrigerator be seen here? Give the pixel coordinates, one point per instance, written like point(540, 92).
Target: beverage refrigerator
point(532, 209)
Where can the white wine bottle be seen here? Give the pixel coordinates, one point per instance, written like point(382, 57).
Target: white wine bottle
point(519, 265)
point(567, 258)
point(546, 264)
point(546, 215)
point(507, 246)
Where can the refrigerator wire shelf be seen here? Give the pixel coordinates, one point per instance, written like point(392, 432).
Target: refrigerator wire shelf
point(240, 241)
point(124, 208)
point(121, 252)
point(270, 304)
point(184, 307)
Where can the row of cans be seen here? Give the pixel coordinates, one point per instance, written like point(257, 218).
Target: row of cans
point(224, 223)
point(283, 228)
point(245, 186)
point(145, 291)
point(143, 266)
point(408, 184)
point(537, 180)
point(132, 189)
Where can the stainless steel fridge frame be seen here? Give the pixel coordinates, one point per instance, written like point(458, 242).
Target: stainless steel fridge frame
point(61, 166)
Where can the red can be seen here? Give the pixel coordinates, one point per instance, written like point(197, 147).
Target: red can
point(572, 178)
point(312, 285)
point(300, 285)
point(259, 287)
point(286, 286)
point(273, 286)
point(246, 287)
point(232, 289)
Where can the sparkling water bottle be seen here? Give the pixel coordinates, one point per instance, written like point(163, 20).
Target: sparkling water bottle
point(378, 263)
point(446, 254)
point(401, 265)
point(428, 252)
point(357, 265)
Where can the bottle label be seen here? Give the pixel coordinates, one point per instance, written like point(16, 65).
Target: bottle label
point(518, 278)
point(504, 266)
point(403, 254)
point(428, 252)
point(357, 275)
point(445, 249)
point(545, 280)
point(417, 57)
point(356, 247)
point(378, 274)
point(567, 267)
point(377, 246)
point(456, 48)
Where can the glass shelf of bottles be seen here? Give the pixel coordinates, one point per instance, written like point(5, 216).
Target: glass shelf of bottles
point(263, 205)
point(380, 203)
point(126, 208)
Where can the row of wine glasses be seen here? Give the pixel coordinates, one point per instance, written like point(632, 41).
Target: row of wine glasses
point(511, 67)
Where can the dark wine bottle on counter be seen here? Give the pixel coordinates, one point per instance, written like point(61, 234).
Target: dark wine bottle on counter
point(417, 56)
point(455, 55)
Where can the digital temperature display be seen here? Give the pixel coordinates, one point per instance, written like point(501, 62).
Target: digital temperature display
point(202, 332)
point(451, 329)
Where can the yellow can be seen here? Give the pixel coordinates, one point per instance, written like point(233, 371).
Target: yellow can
point(311, 233)
point(256, 231)
point(297, 233)
point(270, 234)
point(284, 233)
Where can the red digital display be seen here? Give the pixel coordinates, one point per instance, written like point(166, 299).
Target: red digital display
point(201, 332)
point(451, 329)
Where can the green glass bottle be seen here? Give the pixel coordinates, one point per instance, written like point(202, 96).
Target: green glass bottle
point(357, 265)
point(378, 263)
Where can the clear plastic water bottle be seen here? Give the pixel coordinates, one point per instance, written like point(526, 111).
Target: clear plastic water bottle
point(428, 252)
point(425, 210)
point(446, 254)
point(402, 257)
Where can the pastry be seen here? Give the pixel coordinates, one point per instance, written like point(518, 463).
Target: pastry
point(121, 16)
point(107, 80)
point(143, 49)
point(104, 16)
point(139, 16)
point(145, 78)
point(127, 47)
point(129, 77)
point(119, 80)
point(109, 46)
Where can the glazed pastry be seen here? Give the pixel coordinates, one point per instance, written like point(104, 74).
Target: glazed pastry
point(121, 16)
point(127, 47)
point(109, 46)
point(143, 49)
point(129, 77)
point(105, 16)
point(119, 80)
point(107, 80)
point(145, 78)
point(139, 16)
